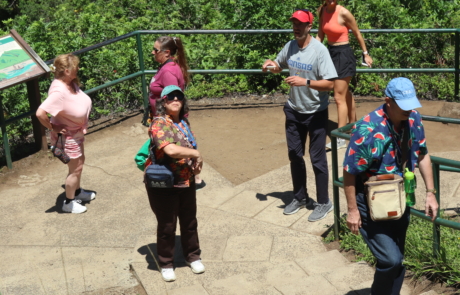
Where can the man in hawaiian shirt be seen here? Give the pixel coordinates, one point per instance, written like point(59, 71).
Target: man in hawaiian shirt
point(311, 75)
point(375, 148)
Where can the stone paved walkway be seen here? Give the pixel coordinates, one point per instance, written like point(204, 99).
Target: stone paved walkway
point(248, 245)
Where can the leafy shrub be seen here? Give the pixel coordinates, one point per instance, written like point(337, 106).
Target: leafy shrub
point(60, 26)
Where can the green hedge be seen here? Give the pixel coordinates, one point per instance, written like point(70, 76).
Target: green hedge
point(59, 26)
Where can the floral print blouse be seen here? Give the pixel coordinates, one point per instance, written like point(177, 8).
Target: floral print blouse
point(164, 132)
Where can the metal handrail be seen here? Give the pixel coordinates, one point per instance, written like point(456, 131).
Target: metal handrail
point(438, 164)
point(142, 71)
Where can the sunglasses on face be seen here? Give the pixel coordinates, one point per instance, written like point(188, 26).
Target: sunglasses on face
point(156, 50)
point(171, 96)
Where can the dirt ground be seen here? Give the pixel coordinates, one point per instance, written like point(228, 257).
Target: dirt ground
point(243, 138)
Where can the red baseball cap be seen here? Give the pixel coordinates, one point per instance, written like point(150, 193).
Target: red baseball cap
point(303, 15)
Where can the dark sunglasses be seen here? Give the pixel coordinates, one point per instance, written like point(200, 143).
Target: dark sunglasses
point(156, 50)
point(171, 96)
point(304, 10)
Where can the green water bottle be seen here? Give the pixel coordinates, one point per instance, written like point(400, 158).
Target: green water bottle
point(409, 187)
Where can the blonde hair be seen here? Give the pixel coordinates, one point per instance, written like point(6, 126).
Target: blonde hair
point(65, 62)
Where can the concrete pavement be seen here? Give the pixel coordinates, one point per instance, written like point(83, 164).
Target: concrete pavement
point(248, 245)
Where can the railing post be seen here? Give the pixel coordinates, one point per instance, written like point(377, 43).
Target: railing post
point(335, 189)
point(436, 227)
point(140, 55)
point(33, 92)
point(6, 146)
point(457, 64)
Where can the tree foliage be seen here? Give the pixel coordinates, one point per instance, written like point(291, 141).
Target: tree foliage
point(54, 27)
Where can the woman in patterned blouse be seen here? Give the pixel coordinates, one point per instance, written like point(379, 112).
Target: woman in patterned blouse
point(175, 146)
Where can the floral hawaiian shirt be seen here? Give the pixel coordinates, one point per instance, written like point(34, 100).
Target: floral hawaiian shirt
point(372, 146)
point(164, 132)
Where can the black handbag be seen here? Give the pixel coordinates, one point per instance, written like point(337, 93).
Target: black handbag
point(59, 152)
point(158, 175)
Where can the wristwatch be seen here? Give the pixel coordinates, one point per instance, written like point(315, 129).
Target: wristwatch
point(365, 53)
point(431, 191)
point(308, 83)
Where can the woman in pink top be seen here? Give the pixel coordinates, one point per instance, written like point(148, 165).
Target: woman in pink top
point(335, 21)
point(69, 107)
point(169, 52)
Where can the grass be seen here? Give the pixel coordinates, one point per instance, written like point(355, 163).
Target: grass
point(419, 256)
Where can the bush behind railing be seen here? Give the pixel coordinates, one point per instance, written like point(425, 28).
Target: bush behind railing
point(55, 27)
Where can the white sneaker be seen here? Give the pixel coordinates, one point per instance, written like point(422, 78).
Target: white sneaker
point(168, 274)
point(196, 266)
point(74, 206)
point(340, 144)
point(85, 196)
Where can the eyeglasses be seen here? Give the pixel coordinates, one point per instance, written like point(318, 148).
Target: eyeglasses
point(176, 94)
point(156, 50)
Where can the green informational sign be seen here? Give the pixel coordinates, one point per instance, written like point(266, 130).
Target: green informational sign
point(18, 62)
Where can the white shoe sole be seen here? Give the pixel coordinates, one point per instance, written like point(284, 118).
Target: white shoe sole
point(293, 212)
point(324, 216)
point(74, 212)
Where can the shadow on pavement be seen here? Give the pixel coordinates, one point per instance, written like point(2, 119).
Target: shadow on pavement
point(360, 291)
point(58, 205)
point(151, 255)
point(286, 197)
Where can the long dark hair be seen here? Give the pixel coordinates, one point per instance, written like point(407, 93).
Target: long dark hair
point(175, 47)
point(319, 11)
point(161, 109)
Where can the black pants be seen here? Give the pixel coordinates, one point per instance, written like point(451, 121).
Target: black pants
point(168, 204)
point(298, 126)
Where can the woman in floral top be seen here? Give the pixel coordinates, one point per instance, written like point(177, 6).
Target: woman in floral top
point(175, 147)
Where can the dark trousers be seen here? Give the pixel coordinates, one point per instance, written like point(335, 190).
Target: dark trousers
point(298, 126)
point(386, 240)
point(168, 204)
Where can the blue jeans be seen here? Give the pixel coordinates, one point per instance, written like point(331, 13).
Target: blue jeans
point(386, 240)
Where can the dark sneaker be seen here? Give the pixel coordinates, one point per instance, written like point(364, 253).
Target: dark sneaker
point(294, 206)
point(320, 211)
point(85, 196)
point(200, 185)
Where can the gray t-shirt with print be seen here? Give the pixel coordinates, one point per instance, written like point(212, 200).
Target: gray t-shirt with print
point(313, 63)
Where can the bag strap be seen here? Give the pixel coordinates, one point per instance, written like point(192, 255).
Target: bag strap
point(404, 146)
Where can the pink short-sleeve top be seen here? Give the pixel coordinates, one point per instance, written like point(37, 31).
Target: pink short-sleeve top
point(68, 109)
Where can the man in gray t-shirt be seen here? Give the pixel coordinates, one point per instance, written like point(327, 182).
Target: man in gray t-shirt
point(311, 75)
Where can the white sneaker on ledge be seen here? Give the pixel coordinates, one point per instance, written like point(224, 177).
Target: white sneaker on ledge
point(196, 266)
point(168, 274)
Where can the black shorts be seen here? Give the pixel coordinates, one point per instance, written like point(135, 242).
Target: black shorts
point(344, 60)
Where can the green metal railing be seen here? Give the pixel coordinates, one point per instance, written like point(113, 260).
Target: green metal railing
point(438, 164)
point(142, 71)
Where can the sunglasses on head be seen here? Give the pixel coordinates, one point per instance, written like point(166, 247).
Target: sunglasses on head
point(301, 9)
point(171, 96)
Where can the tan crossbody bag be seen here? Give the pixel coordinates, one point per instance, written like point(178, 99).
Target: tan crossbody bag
point(385, 193)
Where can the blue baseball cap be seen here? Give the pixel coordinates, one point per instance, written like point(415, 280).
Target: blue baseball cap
point(403, 92)
point(170, 88)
